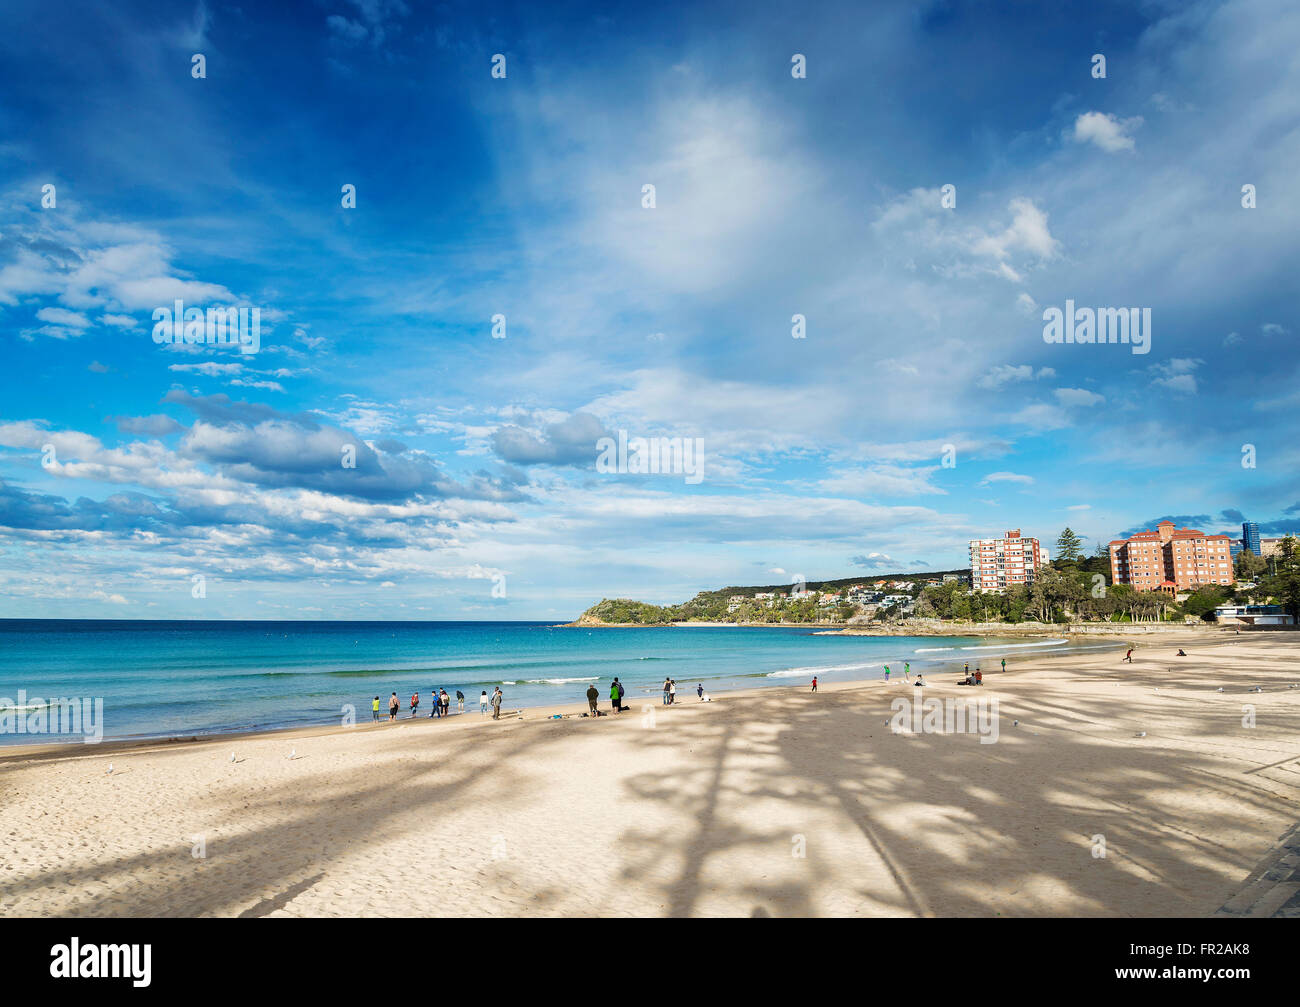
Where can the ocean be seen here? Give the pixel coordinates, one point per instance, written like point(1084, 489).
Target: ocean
point(163, 679)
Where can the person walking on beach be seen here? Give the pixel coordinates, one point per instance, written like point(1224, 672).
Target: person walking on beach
point(482, 703)
point(814, 688)
point(393, 704)
point(497, 697)
point(615, 696)
point(374, 710)
point(446, 704)
point(699, 689)
point(886, 674)
point(907, 671)
point(966, 669)
point(593, 696)
point(1129, 656)
point(433, 698)
point(460, 701)
point(1004, 664)
point(415, 702)
point(672, 691)
point(666, 684)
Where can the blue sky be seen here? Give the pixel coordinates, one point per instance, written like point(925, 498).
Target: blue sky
point(522, 196)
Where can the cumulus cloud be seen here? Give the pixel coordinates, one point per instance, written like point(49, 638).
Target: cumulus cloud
point(64, 317)
point(570, 441)
point(1106, 131)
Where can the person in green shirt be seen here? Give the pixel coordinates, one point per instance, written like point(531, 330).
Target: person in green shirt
point(615, 696)
point(374, 710)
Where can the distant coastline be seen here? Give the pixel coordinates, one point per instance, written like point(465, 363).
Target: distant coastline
point(930, 627)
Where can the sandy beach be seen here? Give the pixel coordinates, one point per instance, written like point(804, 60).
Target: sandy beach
point(699, 809)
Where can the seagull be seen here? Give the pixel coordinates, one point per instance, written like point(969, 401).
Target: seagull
point(232, 756)
point(1142, 734)
point(110, 767)
point(293, 753)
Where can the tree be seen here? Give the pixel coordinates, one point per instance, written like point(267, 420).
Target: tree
point(1249, 566)
point(1069, 547)
point(1051, 589)
point(1203, 601)
point(1288, 576)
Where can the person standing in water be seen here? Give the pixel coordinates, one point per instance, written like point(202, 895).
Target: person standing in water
point(666, 684)
point(415, 703)
point(393, 705)
point(374, 710)
point(482, 702)
point(460, 701)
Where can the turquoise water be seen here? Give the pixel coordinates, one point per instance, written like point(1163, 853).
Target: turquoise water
point(170, 678)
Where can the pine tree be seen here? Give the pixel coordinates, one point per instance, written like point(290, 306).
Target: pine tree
point(1069, 547)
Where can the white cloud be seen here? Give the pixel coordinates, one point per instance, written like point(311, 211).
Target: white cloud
point(1004, 374)
point(1106, 131)
point(1077, 397)
point(1006, 477)
point(64, 317)
point(1177, 375)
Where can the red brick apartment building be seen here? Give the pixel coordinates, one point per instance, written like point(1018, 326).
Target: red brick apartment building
point(997, 563)
point(1171, 559)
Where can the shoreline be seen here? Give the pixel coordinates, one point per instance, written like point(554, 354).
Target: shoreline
point(55, 750)
point(17, 752)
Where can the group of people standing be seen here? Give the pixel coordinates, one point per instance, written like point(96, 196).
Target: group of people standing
point(616, 694)
point(441, 704)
